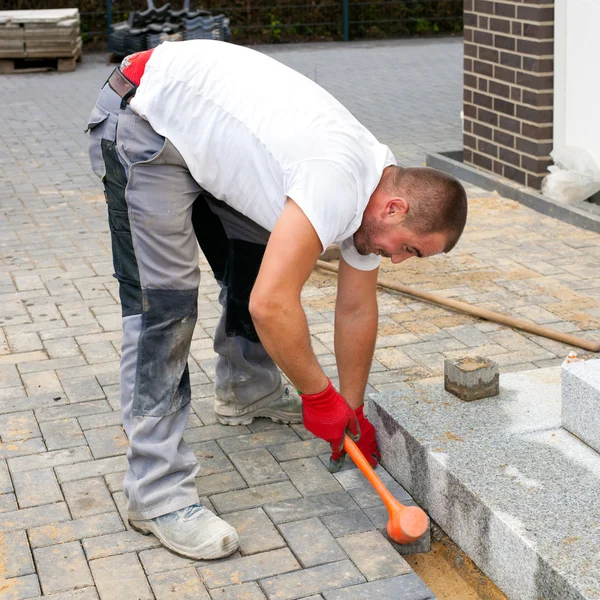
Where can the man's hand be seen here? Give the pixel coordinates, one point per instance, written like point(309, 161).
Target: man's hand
point(367, 443)
point(328, 416)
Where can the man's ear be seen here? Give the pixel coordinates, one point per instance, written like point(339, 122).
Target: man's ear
point(397, 207)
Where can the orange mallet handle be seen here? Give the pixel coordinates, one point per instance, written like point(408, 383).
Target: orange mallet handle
point(407, 523)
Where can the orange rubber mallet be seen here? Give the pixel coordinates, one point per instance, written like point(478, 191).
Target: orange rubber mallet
point(407, 523)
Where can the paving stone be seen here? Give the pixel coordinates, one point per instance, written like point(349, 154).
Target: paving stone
point(310, 476)
point(256, 496)
point(374, 555)
point(37, 487)
point(404, 587)
point(183, 584)
point(62, 433)
point(311, 542)
point(72, 410)
point(19, 426)
point(257, 466)
point(160, 560)
point(127, 571)
point(19, 588)
point(9, 376)
point(55, 458)
point(27, 518)
point(62, 567)
point(212, 458)
point(15, 556)
point(5, 481)
point(95, 468)
point(309, 581)
point(295, 450)
point(219, 483)
point(118, 543)
point(114, 481)
point(306, 508)
point(108, 441)
point(249, 568)
point(18, 402)
point(213, 432)
point(41, 382)
point(256, 532)
point(270, 437)
point(8, 503)
point(346, 523)
point(243, 591)
point(83, 389)
point(88, 497)
point(22, 448)
point(69, 531)
point(105, 419)
point(88, 593)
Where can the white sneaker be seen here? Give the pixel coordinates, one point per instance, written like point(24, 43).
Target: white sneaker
point(194, 532)
point(286, 409)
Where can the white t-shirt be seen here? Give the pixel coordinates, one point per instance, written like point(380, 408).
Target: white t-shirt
point(253, 132)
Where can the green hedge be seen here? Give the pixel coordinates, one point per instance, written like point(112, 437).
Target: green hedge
point(273, 21)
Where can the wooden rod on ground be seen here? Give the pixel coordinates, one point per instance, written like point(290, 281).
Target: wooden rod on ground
point(482, 313)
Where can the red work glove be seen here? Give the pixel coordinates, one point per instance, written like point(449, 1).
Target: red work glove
point(367, 443)
point(328, 416)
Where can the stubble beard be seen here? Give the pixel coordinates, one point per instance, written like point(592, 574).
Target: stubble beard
point(363, 236)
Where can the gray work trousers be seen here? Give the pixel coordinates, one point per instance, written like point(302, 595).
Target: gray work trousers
point(158, 214)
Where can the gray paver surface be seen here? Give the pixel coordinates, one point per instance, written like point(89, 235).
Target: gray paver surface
point(60, 342)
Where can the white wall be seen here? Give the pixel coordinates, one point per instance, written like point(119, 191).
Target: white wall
point(577, 75)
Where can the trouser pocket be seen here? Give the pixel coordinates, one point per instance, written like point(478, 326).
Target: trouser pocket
point(95, 127)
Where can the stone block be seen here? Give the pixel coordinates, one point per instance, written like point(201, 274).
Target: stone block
point(15, 556)
point(270, 437)
point(37, 487)
point(8, 503)
point(310, 476)
point(296, 450)
point(62, 567)
point(471, 378)
point(492, 474)
point(119, 577)
point(19, 426)
point(311, 542)
point(55, 458)
point(256, 496)
point(107, 441)
point(63, 433)
point(33, 517)
point(220, 483)
point(212, 458)
point(249, 568)
point(404, 587)
point(244, 591)
point(256, 532)
point(19, 588)
point(5, 482)
point(69, 531)
point(305, 508)
point(581, 400)
point(346, 523)
point(258, 466)
point(182, 584)
point(312, 581)
point(374, 555)
point(95, 468)
point(87, 497)
point(118, 543)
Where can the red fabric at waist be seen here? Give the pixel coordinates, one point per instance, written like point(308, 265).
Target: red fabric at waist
point(133, 66)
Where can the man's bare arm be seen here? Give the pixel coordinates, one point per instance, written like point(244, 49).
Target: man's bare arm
point(356, 317)
point(278, 316)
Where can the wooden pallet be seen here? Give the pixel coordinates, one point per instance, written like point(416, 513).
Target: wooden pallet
point(36, 65)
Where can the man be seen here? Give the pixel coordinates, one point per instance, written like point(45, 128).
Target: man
point(217, 143)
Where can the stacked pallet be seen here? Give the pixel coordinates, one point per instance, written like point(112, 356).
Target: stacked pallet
point(40, 35)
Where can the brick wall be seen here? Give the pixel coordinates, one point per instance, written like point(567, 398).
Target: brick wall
point(508, 87)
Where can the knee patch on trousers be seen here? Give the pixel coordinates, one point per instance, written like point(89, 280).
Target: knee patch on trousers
point(162, 384)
